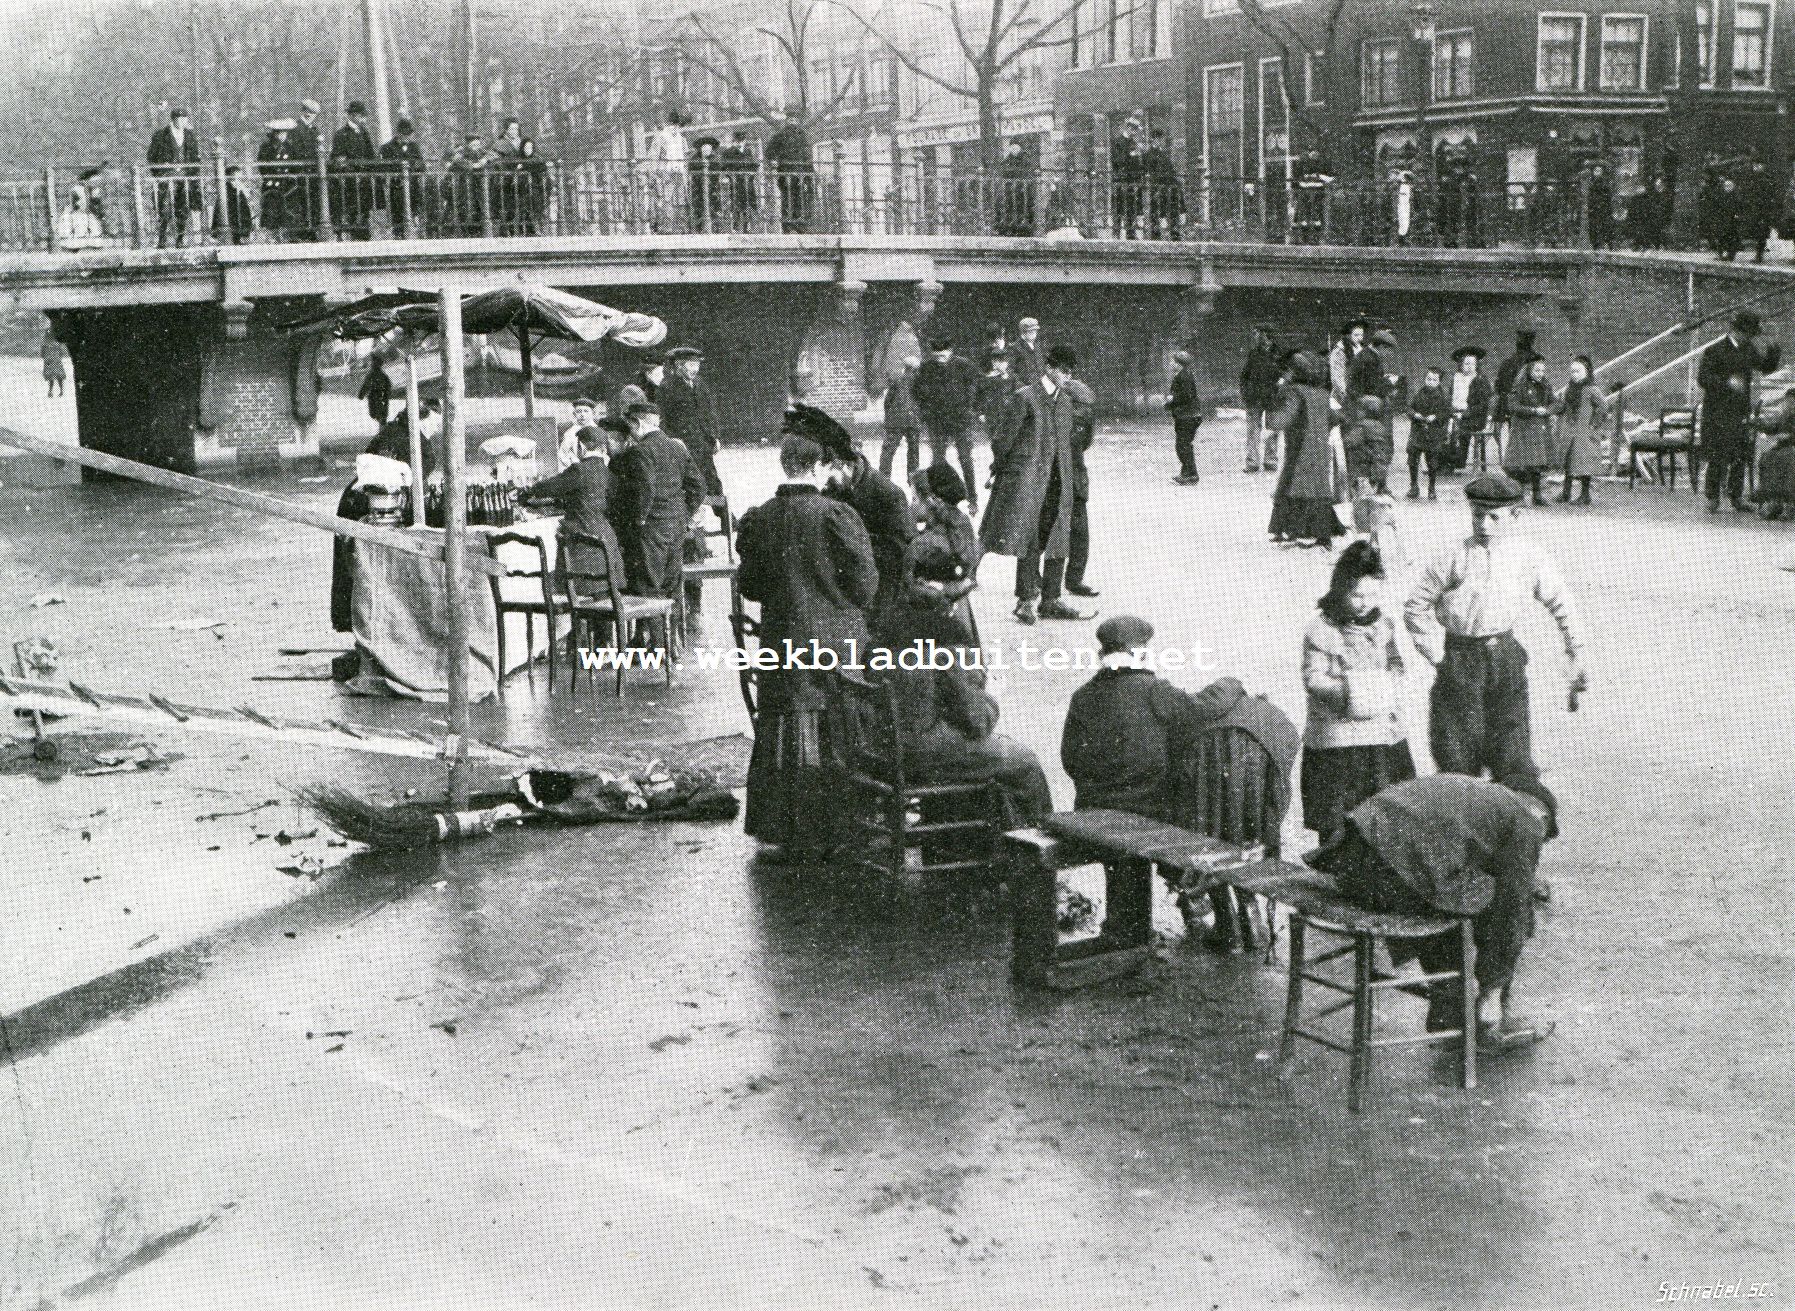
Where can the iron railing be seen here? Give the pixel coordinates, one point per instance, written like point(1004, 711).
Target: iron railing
point(218, 202)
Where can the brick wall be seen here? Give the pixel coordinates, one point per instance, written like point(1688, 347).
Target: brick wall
point(249, 405)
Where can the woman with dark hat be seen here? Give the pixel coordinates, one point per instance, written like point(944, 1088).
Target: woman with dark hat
point(1302, 508)
point(941, 525)
point(1353, 742)
point(1532, 447)
point(1472, 398)
point(884, 510)
point(1581, 419)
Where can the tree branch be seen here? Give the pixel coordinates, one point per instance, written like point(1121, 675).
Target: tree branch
point(903, 56)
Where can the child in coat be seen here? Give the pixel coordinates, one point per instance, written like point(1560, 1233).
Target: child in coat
point(1369, 446)
point(1429, 414)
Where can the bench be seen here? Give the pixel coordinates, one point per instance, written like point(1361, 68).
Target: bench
point(1130, 848)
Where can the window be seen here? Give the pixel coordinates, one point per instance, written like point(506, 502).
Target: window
point(1120, 31)
point(1452, 65)
point(1705, 45)
point(1315, 71)
point(1751, 44)
point(1381, 74)
point(1560, 52)
point(1224, 121)
point(1224, 108)
point(881, 82)
point(1623, 52)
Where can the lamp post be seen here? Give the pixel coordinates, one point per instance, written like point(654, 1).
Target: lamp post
point(1421, 26)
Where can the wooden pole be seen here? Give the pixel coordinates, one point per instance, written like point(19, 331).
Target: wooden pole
point(454, 455)
point(417, 440)
point(395, 539)
point(529, 363)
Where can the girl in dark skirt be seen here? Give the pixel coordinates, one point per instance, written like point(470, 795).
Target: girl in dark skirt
point(1353, 743)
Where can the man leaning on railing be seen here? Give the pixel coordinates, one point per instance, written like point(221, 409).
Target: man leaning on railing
point(174, 173)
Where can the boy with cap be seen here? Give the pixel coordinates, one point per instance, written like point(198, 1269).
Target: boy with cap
point(1126, 728)
point(1369, 445)
point(1451, 845)
point(1462, 613)
point(1028, 356)
point(582, 490)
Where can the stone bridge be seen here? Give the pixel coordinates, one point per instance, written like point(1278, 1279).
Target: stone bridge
point(176, 361)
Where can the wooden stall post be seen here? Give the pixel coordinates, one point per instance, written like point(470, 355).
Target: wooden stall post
point(412, 418)
point(455, 535)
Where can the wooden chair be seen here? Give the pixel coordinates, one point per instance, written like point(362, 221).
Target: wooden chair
point(714, 567)
point(958, 821)
point(1231, 792)
point(747, 639)
point(550, 605)
point(1316, 905)
point(1675, 436)
point(590, 576)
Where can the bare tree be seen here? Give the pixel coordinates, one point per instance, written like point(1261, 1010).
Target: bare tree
point(793, 32)
point(990, 42)
point(1296, 42)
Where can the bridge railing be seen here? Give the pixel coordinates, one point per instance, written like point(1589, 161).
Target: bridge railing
point(291, 200)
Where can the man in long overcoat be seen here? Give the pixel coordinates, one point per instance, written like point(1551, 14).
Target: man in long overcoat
point(1725, 380)
point(353, 159)
point(657, 491)
point(174, 170)
point(1034, 470)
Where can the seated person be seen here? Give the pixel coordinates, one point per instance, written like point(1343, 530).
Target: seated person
point(1455, 845)
point(1127, 728)
point(946, 715)
point(1129, 744)
point(941, 525)
point(1776, 467)
point(393, 441)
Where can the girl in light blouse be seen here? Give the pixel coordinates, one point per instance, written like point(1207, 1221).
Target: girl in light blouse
point(1354, 743)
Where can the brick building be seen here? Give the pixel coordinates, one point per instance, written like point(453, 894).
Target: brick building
point(1528, 91)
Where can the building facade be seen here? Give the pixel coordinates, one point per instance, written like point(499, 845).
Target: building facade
point(1526, 92)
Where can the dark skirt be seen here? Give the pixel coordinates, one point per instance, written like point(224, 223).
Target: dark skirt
point(1305, 517)
point(794, 771)
point(1336, 779)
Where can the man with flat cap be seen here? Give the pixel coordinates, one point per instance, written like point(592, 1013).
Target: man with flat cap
point(1028, 355)
point(1033, 482)
point(657, 491)
point(353, 159)
point(1451, 845)
point(1727, 441)
point(1462, 614)
point(689, 412)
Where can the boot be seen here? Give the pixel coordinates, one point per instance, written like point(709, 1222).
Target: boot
point(1583, 495)
point(1025, 612)
point(1432, 495)
point(1414, 490)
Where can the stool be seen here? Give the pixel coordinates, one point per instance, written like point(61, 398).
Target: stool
point(1314, 904)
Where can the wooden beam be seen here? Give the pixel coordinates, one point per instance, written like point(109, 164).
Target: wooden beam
point(391, 538)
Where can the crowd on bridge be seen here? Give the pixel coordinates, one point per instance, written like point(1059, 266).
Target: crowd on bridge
point(309, 183)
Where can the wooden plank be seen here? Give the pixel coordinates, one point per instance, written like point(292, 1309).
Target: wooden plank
point(391, 538)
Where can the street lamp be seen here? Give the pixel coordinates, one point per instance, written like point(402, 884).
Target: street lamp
point(1422, 14)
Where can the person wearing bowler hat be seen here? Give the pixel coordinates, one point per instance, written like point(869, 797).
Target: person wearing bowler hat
point(689, 412)
point(404, 199)
point(1472, 399)
point(1724, 377)
point(353, 159)
point(1462, 613)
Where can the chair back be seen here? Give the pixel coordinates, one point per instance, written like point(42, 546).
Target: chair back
point(541, 573)
point(874, 739)
point(590, 570)
point(719, 505)
point(1676, 424)
point(1233, 789)
point(747, 639)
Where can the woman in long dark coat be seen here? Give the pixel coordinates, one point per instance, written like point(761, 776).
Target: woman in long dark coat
point(1582, 417)
point(1302, 507)
point(809, 563)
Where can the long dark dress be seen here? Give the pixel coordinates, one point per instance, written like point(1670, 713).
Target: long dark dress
point(809, 563)
point(1303, 504)
point(394, 442)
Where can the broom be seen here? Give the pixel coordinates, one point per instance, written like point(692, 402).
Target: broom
point(406, 825)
